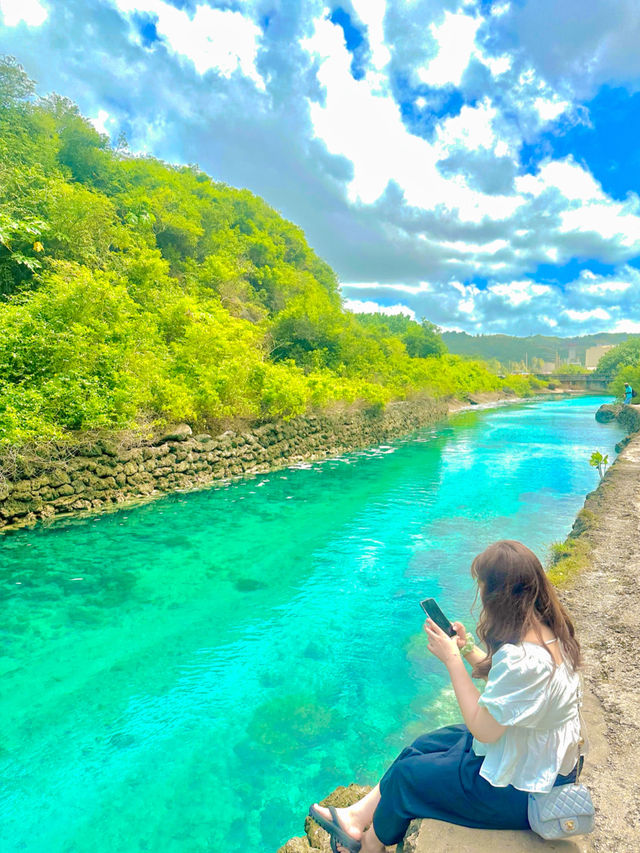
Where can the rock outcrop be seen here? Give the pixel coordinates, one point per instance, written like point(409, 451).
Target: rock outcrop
point(608, 412)
point(627, 415)
point(315, 839)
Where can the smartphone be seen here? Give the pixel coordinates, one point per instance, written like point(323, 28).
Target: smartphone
point(433, 612)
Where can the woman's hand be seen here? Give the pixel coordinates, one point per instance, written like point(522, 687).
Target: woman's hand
point(461, 631)
point(444, 647)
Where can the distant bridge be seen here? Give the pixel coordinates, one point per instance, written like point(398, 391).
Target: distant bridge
point(578, 381)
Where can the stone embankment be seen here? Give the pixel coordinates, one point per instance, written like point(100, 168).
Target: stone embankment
point(107, 472)
point(100, 473)
point(604, 602)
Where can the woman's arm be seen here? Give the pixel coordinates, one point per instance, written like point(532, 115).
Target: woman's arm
point(477, 719)
point(476, 655)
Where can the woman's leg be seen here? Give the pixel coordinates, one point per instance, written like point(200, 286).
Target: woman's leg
point(355, 818)
point(357, 821)
point(370, 842)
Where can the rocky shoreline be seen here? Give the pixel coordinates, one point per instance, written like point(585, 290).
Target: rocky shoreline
point(101, 473)
point(603, 597)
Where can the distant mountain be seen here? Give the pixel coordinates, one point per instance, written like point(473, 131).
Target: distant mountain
point(509, 348)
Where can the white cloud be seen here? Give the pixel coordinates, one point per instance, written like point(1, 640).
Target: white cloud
point(589, 303)
point(572, 180)
point(213, 39)
point(607, 286)
point(570, 42)
point(519, 292)
point(372, 13)
point(631, 327)
point(582, 316)
point(101, 121)
point(498, 64)
point(408, 189)
point(32, 12)
point(455, 38)
point(499, 9)
point(472, 128)
point(549, 109)
point(365, 125)
point(370, 307)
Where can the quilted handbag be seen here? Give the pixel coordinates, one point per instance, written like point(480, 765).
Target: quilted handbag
point(565, 811)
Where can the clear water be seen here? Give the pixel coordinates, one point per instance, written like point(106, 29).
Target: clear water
point(189, 675)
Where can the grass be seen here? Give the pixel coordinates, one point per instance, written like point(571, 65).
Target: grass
point(568, 559)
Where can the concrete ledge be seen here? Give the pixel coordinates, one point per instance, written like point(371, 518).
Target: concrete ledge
point(437, 837)
point(434, 836)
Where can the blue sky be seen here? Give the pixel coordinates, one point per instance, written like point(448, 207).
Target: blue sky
point(476, 163)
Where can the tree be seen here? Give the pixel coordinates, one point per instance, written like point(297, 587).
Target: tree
point(423, 340)
point(625, 374)
point(622, 355)
point(15, 84)
point(570, 369)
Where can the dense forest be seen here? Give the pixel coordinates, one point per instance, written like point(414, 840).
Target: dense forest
point(521, 352)
point(622, 364)
point(134, 293)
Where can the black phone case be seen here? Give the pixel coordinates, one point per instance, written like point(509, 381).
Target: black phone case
point(433, 612)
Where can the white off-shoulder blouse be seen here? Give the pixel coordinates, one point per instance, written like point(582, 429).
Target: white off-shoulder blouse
point(538, 702)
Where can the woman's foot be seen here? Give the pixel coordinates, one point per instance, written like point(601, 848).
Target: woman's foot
point(370, 843)
point(348, 821)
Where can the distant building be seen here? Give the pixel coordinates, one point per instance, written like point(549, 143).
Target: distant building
point(594, 354)
point(573, 356)
point(547, 367)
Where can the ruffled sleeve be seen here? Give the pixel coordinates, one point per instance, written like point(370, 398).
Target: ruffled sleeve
point(517, 688)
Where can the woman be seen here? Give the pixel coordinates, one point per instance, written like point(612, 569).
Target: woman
point(520, 735)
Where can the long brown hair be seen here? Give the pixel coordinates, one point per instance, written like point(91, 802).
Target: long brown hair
point(516, 597)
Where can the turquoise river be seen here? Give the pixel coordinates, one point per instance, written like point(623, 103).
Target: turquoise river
point(191, 674)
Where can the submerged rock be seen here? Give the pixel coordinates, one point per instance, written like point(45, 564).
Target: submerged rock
point(249, 584)
point(308, 718)
point(298, 845)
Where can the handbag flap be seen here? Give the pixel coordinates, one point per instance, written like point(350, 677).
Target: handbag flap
point(565, 801)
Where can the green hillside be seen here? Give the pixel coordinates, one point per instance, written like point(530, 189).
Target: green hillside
point(133, 293)
point(508, 349)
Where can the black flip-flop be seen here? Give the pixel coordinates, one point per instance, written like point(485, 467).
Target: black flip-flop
point(337, 833)
point(334, 844)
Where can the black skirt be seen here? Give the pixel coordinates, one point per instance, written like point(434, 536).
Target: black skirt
point(438, 777)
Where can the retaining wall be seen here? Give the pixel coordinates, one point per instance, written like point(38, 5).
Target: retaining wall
point(112, 471)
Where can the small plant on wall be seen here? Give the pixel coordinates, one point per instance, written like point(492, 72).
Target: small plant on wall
point(600, 462)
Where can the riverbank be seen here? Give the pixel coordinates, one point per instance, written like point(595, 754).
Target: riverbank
point(603, 596)
point(605, 602)
point(601, 592)
point(103, 473)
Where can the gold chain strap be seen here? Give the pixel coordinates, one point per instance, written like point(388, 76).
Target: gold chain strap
point(583, 730)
